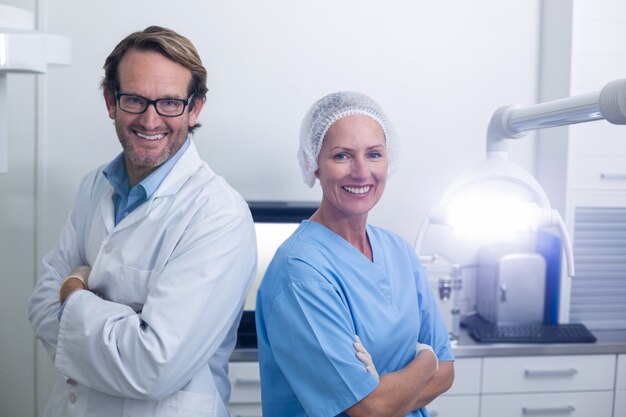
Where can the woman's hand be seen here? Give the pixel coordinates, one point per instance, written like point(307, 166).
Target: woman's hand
point(364, 356)
point(422, 346)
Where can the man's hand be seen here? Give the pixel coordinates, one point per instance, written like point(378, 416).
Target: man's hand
point(75, 281)
point(364, 356)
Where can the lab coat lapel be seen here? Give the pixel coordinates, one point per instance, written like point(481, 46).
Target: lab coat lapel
point(188, 163)
point(186, 166)
point(107, 210)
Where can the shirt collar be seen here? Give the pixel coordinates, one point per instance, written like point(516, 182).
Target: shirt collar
point(117, 175)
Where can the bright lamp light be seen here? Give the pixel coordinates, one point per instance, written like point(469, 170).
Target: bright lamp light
point(478, 210)
point(489, 217)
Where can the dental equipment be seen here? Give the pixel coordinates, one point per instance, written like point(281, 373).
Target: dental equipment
point(512, 122)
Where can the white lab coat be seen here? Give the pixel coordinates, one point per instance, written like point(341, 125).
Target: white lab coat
point(173, 277)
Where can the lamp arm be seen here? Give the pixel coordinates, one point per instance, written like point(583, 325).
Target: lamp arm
point(512, 121)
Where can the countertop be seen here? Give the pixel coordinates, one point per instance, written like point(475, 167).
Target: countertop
point(609, 342)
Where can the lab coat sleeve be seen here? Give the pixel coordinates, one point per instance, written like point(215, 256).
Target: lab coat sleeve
point(44, 305)
point(191, 306)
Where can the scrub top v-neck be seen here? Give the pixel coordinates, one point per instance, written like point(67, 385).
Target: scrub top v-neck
point(317, 294)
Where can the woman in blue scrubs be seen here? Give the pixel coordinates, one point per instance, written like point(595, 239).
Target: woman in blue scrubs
point(338, 280)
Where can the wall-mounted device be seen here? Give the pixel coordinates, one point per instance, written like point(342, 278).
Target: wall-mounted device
point(510, 285)
point(24, 50)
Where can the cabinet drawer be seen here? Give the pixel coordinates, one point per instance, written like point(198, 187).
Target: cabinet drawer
point(597, 139)
point(246, 410)
point(620, 382)
point(454, 406)
point(598, 172)
point(574, 404)
point(548, 373)
point(245, 381)
point(620, 404)
point(466, 377)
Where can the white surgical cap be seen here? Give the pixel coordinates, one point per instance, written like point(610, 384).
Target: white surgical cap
point(326, 111)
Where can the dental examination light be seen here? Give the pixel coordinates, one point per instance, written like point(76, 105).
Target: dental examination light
point(482, 205)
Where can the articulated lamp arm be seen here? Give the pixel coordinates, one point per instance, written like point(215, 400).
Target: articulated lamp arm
point(511, 122)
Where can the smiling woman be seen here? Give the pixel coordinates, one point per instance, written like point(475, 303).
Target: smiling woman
point(338, 280)
point(352, 170)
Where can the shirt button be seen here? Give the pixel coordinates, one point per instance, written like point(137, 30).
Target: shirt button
point(106, 249)
point(72, 398)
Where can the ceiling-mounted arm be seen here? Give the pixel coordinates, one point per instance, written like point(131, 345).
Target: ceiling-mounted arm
point(512, 122)
point(24, 50)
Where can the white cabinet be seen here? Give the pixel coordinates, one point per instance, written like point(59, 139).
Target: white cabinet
point(511, 386)
point(575, 385)
point(579, 404)
point(463, 398)
point(453, 406)
point(548, 373)
point(245, 410)
point(620, 387)
point(245, 395)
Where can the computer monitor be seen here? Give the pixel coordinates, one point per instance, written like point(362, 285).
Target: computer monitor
point(274, 222)
point(269, 237)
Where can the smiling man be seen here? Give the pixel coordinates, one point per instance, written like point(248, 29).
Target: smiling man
point(139, 302)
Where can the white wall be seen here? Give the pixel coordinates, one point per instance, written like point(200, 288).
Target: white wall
point(17, 253)
point(439, 68)
point(17, 245)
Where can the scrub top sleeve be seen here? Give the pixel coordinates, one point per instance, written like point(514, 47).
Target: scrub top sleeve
point(433, 330)
point(312, 336)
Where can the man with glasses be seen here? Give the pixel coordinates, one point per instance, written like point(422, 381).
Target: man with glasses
point(139, 302)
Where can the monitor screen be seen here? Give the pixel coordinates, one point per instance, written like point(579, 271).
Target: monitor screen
point(274, 222)
point(269, 237)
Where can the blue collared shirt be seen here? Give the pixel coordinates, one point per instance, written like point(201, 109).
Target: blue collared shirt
point(126, 198)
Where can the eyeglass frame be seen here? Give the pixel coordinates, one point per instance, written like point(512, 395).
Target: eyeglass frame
point(149, 102)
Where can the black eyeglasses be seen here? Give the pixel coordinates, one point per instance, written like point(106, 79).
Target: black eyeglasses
point(167, 107)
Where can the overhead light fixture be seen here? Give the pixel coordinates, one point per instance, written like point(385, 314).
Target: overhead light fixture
point(497, 196)
point(497, 199)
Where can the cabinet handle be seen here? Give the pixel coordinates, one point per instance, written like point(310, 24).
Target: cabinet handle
point(549, 373)
point(247, 381)
point(607, 176)
point(548, 410)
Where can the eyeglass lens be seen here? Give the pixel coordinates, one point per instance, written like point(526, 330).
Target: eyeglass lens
point(164, 106)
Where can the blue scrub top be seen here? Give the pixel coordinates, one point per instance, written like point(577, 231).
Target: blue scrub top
point(318, 292)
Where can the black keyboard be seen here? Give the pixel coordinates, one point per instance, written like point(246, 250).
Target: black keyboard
point(531, 333)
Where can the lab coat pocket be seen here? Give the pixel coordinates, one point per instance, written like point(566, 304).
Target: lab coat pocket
point(132, 287)
point(180, 404)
